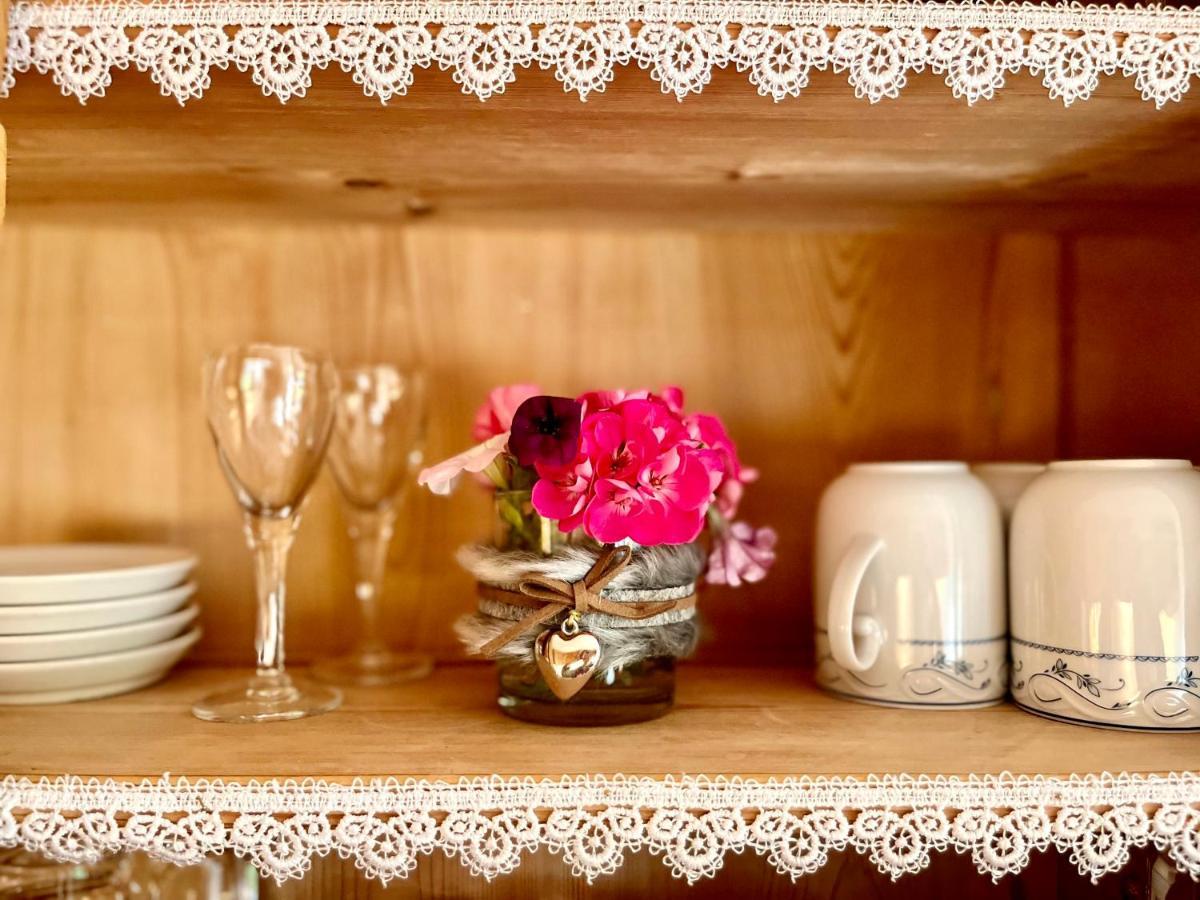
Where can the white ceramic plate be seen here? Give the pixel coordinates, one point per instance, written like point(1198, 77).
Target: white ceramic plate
point(59, 617)
point(67, 644)
point(65, 680)
point(67, 573)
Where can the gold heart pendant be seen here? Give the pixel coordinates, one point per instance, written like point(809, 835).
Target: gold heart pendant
point(567, 657)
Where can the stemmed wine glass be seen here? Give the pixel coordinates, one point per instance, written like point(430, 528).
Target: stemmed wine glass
point(375, 449)
point(270, 410)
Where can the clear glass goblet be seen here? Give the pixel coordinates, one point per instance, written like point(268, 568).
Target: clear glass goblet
point(270, 411)
point(374, 452)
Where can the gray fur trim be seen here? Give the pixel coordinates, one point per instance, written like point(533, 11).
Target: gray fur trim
point(668, 565)
point(673, 566)
point(619, 646)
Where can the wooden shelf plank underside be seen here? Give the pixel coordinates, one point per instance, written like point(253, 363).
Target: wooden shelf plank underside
point(536, 154)
point(749, 722)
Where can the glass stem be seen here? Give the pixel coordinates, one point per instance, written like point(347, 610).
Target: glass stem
point(371, 533)
point(270, 539)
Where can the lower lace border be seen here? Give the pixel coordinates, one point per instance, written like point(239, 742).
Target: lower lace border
point(384, 825)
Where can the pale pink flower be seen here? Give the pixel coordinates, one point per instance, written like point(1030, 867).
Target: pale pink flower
point(730, 490)
point(496, 415)
point(440, 478)
point(741, 554)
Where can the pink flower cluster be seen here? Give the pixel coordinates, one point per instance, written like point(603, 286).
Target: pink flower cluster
point(639, 469)
point(644, 471)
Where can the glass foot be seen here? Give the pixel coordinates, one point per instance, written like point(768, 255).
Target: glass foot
point(268, 698)
point(373, 669)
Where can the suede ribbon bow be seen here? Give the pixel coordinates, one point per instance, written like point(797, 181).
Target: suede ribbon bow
point(548, 597)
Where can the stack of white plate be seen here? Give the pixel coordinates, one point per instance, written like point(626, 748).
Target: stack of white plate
point(79, 621)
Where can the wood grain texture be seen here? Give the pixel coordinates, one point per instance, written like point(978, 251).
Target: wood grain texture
point(3, 144)
point(537, 155)
point(817, 350)
point(1135, 326)
point(750, 722)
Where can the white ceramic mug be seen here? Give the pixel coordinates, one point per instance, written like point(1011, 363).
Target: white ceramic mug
point(909, 598)
point(1105, 586)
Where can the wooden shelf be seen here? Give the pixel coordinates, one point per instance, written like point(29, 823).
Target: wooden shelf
point(729, 721)
point(536, 154)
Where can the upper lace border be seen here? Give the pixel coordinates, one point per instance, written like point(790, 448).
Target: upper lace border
point(778, 44)
point(831, 13)
point(593, 821)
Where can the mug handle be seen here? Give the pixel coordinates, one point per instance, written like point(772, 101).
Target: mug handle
point(844, 626)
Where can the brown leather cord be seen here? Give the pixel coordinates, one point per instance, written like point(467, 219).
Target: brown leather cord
point(549, 596)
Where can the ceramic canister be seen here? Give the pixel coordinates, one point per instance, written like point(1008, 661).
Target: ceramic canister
point(909, 600)
point(1105, 588)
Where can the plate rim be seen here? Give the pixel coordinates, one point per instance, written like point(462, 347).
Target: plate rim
point(186, 556)
point(58, 696)
point(185, 642)
point(65, 573)
point(92, 605)
point(187, 613)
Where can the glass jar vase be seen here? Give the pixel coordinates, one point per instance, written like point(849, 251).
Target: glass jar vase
point(518, 526)
point(636, 693)
point(633, 693)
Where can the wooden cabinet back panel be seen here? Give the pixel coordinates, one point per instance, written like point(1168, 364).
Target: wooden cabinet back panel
point(818, 349)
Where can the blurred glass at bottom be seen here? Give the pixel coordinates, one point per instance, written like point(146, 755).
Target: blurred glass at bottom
point(129, 876)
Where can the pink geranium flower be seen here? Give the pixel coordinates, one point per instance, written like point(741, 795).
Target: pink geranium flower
point(676, 490)
point(496, 415)
point(741, 554)
point(729, 493)
point(614, 512)
point(649, 481)
point(664, 504)
point(596, 401)
point(441, 478)
point(602, 440)
point(563, 493)
point(672, 395)
point(709, 431)
point(649, 426)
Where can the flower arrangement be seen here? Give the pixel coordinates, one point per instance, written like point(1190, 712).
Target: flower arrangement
point(619, 467)
point(586, 597)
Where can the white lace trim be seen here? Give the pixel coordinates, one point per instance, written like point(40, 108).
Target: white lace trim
point(777, 43)
point(593, 821)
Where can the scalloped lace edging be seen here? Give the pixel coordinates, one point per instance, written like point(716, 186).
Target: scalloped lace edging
point(776, 43)
point(594, 821)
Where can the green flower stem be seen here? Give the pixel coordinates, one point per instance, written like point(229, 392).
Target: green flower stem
point(526, 529)
point(496, 474)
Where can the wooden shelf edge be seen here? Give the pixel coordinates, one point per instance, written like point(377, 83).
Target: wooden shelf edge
point(752, 723)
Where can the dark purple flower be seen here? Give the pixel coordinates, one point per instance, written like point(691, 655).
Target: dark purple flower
point(546, 430)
